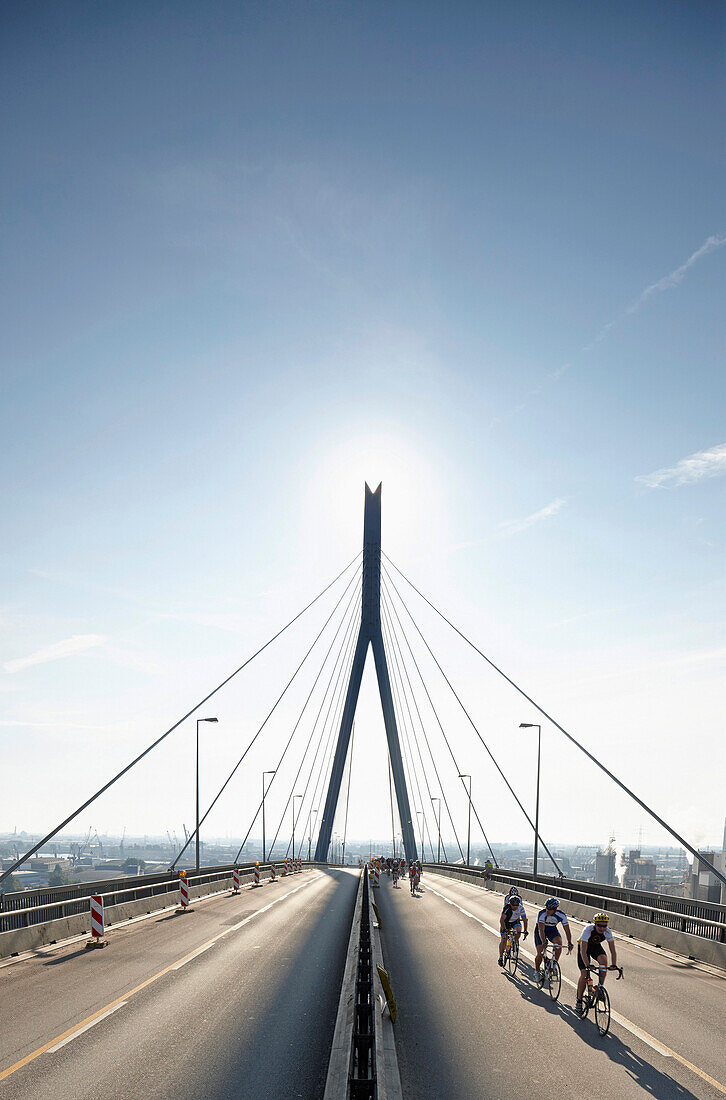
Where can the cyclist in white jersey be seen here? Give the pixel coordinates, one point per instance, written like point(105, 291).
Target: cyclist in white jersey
point(547, 921)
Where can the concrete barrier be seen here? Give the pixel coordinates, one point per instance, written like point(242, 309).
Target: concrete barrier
point(670, 939)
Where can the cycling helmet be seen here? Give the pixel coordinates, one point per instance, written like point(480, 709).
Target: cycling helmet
point(552, 903)
point(514, 897)
point(600, 918)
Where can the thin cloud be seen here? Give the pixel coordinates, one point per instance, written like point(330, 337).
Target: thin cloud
point(668, 282)
point(695, 467)
point(514, 526)
point(78, 643)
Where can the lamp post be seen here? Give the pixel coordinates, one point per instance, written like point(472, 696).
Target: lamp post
point(420, 813)
point(537, 726)
point(468, 831)
point(197, 834)
point(438, 828)
point(293, 823)
point(264, 791)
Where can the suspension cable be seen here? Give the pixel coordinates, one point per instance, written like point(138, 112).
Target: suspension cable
point(436, 715)
point(472, 723)
point(426, 739)
point(409, 737)
point(312, 689)
point(347, 797)
point(346, 614)
point(656, 817)
point(110, 783)
point(343, 678)
point(269, 715)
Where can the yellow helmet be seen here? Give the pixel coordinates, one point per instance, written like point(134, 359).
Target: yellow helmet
point(600, 918)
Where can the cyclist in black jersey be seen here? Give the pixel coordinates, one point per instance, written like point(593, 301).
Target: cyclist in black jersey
point(590, 949)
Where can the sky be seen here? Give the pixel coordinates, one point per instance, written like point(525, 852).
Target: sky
point(256, 255)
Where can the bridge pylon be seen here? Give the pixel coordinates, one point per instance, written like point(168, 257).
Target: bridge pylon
point(370, 634)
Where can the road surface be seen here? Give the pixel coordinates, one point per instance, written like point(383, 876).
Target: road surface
point(466, 1029)
point(237, 999)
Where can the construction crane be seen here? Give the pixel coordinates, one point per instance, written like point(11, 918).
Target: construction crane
point(121, 845)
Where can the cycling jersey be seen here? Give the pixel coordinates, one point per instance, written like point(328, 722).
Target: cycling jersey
point(513, 915)
point(550, 920)
point(593, 938)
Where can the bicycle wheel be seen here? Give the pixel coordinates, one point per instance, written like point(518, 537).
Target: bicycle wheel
point(602, 1011)
point(554, 980)
point(513, 957)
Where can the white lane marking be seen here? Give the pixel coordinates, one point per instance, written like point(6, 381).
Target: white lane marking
point(87, 1027)
point(644, 1037)
point(196, 955)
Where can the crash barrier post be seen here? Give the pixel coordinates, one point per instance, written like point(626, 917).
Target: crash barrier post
point(97, 927)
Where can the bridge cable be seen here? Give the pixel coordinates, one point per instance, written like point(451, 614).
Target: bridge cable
point(110, 783)
point(388, 622)
point(473, 725)
point(302, 712)
point(408, 736)
point(269, 715)
point(352, 618)
point(436, 715)
point(684, 843)
point(351, 604)
point(347, 797)
point(387, 606)
point(393, 820)
point(334, 707)
point(326, 760)
point(341, 661)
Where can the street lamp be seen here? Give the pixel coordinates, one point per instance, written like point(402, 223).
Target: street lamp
point(197, 835)
point(537, 726)
point(438, 826)
point(468, 832)
point(420, 813)
point(293, 823)
point(264, 791)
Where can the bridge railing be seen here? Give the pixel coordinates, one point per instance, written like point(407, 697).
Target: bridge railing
point(25, 908)
point(663, 910)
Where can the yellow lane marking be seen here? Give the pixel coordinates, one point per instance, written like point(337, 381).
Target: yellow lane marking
point(656, 1044)
point(113, 1005)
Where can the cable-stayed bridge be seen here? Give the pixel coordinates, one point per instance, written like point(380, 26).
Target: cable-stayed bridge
point(265, 981)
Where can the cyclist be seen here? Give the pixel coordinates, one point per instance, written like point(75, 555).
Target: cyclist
point(546, 929)
point(590, 946)
point(511, 920)
point(395, 873)
point(414, 878)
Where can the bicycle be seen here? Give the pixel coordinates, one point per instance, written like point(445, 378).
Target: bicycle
point(552, 975)
point(597, 997)
point(511, 952)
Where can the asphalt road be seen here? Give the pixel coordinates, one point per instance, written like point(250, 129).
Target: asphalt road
point(251, 1015)
point(466, 1029)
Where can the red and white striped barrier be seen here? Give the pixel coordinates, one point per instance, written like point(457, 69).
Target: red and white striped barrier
point(183, 891)
point(272, 872)
point(257, 874)
point(376, 874)
point(97, 927)
point(284, 868)
point(97, 916)
point(235, 880)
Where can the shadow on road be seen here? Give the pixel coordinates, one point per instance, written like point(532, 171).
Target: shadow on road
point(643, 1073)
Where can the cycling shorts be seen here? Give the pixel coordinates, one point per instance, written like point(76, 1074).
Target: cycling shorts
point(551, 932)
point(594, 951)
point(516, 926)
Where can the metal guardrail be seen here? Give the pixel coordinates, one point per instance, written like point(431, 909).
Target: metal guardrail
point(625, 903)
point(25, 908)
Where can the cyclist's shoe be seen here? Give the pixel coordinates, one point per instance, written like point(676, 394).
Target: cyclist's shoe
point(500, 960)
point(540, 979)
point(579, 1008)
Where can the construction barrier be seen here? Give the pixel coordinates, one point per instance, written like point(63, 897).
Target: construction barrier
point(97, 928)
point(272, 872)
point(235, 880)
point(376, 874)
point(257, 874)
point(183, 893)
